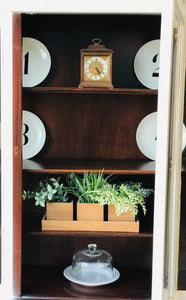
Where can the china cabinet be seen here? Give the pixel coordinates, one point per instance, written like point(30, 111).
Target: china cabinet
point(94, 129)
point(87, 129)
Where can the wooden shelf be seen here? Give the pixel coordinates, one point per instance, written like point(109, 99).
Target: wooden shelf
point(80, 166)
point(91, 234)
point(133, 167)
point(91, 90)
point(48, 282)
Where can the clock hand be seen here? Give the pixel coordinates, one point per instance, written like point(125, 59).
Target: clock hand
point(98, 70)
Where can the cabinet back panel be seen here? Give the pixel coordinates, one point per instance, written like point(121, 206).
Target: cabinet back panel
point(90, 127)
point(130, 252)
point(64, 36)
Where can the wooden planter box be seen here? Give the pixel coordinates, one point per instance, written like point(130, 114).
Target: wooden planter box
point(89, 218)
point(59, 211)
point(124, 217)
point(90, 212)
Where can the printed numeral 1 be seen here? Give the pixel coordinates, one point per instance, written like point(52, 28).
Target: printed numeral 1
point(26, 60)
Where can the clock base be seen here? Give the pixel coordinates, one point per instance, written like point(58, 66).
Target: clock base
point(96, 85)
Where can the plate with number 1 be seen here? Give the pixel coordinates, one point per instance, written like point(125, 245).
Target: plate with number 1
point(36, 62)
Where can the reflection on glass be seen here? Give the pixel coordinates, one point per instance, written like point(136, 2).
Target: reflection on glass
point(170, 175)
point(171, 281)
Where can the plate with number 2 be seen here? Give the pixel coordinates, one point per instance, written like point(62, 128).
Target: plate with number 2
point(146, 64)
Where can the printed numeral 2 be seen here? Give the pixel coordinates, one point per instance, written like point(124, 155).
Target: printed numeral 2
point(156, 71)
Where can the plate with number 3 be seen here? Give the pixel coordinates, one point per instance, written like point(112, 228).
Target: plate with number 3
point(33, 134)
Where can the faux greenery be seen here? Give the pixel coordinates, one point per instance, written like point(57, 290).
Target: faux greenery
point(49, 190)
point(125, 196)
point(84, 186)
point(92, 188)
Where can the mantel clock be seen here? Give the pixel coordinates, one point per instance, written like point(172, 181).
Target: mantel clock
point(96, 66)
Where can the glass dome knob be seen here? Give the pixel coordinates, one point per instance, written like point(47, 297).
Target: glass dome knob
point(92, 250)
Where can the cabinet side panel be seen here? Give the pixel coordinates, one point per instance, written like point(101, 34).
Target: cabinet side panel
point(17, 157)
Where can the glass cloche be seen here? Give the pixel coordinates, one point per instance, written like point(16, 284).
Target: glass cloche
point(92, 265)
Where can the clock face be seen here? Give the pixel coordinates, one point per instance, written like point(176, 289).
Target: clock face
point(96, 68)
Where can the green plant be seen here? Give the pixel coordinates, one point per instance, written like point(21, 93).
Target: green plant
point(82, 186)
point(49, 190)
point(124, 196)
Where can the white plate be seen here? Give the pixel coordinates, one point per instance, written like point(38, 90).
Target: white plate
point(36, 62)
point(68, 274)
point(146, 136)
point(146, 64)
point(33, 134)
